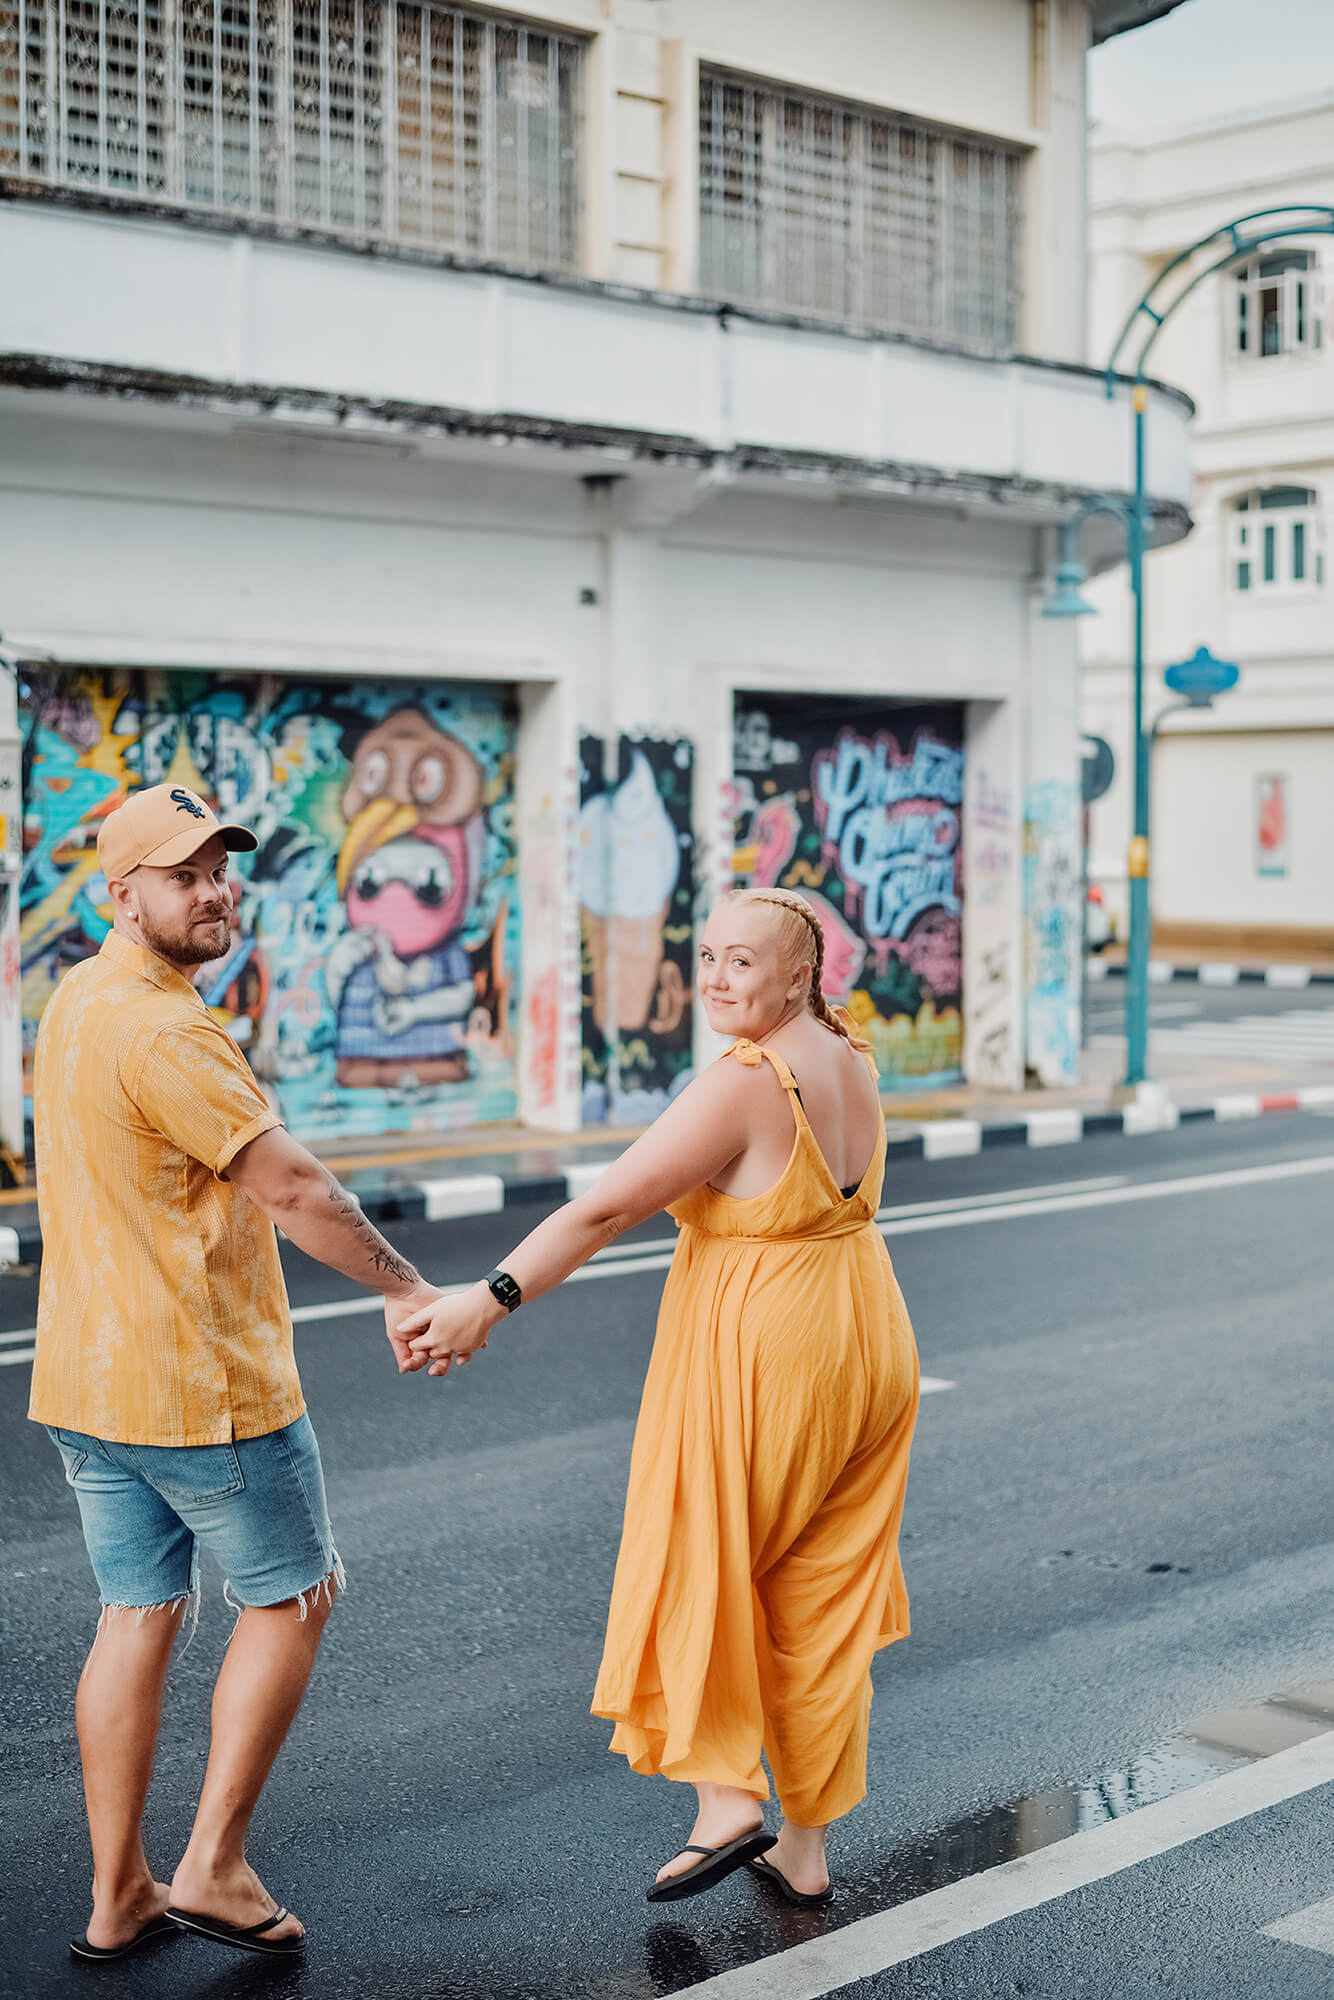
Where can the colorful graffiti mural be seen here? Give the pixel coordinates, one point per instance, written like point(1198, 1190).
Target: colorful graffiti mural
point(636, 889)
point(858, 807)
point(375, 935)
point(1053, 930)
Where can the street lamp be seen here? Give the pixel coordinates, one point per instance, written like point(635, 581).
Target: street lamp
point(1227, 245)
point(1066, 602)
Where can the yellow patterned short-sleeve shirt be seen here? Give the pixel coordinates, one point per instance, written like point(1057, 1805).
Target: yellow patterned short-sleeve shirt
point(162, 1316)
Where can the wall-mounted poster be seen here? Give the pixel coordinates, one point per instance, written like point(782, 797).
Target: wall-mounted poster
point(858, 805)
point(1271, 823)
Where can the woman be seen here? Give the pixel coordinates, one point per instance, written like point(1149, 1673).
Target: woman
point(759, 1567)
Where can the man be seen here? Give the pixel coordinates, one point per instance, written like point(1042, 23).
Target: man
point(165, 1371)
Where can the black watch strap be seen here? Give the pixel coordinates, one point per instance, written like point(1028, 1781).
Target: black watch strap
point(504, 1290)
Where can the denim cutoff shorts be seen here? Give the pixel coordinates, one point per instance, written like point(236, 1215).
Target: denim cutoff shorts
point(257, 1505)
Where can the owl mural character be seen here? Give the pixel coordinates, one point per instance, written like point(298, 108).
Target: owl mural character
point(399, 978)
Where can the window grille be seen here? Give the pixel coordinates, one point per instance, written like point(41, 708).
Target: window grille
point(1275, 539)
point(1277, 310)
point(858, 215)
point(420, 124)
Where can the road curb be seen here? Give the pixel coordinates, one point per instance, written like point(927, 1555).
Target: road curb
point(1162, 972)
point(458, 1197)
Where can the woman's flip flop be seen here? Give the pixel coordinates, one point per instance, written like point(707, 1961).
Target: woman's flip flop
point(815, 1899)
point(156, 1927)
point(251, 1938)
point(715, 1864)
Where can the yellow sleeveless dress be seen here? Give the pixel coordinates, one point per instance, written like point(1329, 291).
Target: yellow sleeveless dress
point(759, 1566)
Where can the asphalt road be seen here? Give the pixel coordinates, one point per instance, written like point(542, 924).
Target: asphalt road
point(1118, 1518)
point(1271, 1024)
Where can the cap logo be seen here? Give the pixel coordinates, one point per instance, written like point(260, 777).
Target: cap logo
point(185, 804)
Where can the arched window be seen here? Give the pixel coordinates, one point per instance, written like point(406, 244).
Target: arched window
point(1277, 310)
point(1274, 539)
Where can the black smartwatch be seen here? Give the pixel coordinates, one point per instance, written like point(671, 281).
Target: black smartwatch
point(504, 1290)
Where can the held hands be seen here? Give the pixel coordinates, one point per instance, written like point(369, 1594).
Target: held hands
point(450, 1329)
point(396, 1314)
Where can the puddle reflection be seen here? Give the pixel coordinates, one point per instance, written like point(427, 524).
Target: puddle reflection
point(1213, 1745)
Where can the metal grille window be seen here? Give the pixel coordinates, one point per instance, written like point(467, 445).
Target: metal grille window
point(1275, 539)
point(421, 124)
point(858, 215)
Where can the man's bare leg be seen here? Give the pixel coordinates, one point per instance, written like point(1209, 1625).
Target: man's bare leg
point(258, 1693)
point(118, 1709)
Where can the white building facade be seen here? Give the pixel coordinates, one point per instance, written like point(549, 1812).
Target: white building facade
point(1243, 794)
point(539, 470)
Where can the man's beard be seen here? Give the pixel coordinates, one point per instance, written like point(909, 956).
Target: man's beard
point(191, 946)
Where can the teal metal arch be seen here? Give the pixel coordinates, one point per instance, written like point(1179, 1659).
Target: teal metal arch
point(1282, 224)
point(1232, 241)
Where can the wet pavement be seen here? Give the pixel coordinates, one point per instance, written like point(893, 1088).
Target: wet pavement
point(1118, 1526)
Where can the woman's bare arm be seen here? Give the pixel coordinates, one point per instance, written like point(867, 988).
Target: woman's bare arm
point(691, 1142)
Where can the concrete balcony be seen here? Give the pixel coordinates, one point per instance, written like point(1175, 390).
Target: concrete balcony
point(203, 317)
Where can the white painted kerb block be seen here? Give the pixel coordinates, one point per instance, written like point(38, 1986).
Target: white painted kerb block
point(469, 1194)
point(1151, 1116)
point(1288, 975)
point(9, 1247)
point(1218, 975)
point(1236, 1107)
point(951, 1138)
point(1054, 1128)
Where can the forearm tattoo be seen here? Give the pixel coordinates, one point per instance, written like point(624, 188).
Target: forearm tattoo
point(382, 1256)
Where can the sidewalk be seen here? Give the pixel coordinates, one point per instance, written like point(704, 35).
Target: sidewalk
point(407, 1177)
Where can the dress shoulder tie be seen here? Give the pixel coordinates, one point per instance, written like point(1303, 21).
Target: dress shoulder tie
point(752, 1054)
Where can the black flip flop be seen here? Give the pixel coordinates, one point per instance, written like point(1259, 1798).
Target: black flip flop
point(251, 1938)
point(818, 1899)
point(716, 1863)
point(156, 1927)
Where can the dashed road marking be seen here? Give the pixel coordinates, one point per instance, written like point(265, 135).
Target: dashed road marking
point(1312, 1927)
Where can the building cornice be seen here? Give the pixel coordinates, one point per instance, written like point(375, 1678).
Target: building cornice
point(322, 416)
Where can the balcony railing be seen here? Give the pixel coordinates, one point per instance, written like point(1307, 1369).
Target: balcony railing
point(414, 124)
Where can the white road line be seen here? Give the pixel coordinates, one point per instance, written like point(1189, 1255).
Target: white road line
point(12, 1360)
point(1313, 1927)
point(1099, 1198)
point(858, 1951)
point(931, 1385)
point(958, 1201)
point(656, 1254)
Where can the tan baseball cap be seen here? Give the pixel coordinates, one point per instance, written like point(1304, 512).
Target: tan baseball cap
point(159, 827)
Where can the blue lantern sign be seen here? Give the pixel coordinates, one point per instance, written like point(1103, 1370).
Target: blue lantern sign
point(1201, 677)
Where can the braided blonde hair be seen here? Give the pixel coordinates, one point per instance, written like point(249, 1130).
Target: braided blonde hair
point(800, 934)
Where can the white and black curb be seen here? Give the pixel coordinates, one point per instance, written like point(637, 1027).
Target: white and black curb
point(1292, 978)
point(456, 1197)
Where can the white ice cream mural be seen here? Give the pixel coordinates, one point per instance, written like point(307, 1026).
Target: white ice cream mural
point(630, 857)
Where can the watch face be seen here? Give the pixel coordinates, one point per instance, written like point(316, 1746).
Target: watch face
point(504, 1290)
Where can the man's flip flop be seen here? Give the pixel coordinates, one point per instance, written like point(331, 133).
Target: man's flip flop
point(816, 1899)
point(156, 1927)
point(251, 1938)
point(715, 1864)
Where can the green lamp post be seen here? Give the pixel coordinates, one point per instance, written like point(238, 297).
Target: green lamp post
point(1233, 242)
